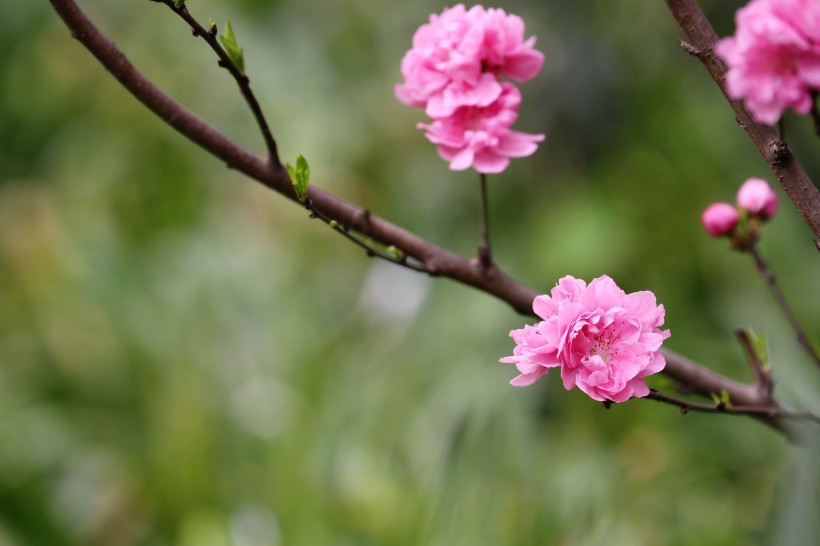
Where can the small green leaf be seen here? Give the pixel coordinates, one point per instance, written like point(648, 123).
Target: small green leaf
point(235, 53)
point(333, 224)
point(396, 252)
point(211, 27)
point(724, 398)
point(760, 344)
point(179, 4)
point(715, 398)
point(299, 177)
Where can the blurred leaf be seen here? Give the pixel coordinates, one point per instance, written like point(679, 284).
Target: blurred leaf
point(299, 177)
point(235, 53)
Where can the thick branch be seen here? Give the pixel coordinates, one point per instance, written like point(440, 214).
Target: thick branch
point(781, 161)
point(436, 260)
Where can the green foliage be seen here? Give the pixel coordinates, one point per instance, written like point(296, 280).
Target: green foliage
point(235, 53)
point(299, 177)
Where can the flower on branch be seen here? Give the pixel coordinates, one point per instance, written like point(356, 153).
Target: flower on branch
point(774, 57)
point(481, 136)
point(453, 71)
point(757, 197)
point(720, 219)
point(604, 340)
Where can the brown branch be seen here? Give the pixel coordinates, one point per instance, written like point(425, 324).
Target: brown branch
point(763, 376)
point(766, 272)
point(242, 80)
point(772, 415)
point(781, 161)
point(430, 257)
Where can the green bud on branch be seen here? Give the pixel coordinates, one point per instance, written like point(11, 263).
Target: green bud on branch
point(299, 177)
point(235, 53)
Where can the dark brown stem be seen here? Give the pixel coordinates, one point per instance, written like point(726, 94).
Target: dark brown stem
point(768, 276)
point(802, 192)
point(241, 78)
point(773, 415)
point(484, 253)
point(432, 258)
point(763, 377)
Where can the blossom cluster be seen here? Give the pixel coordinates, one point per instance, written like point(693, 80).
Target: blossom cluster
point(774, 57)
point(604, 340)
point(755, 197)
point(453, 71)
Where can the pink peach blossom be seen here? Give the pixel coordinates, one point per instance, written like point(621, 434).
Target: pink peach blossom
point(774, 57)
point(756, 196)
point(719, 219)
point(604, 340)
point(458, 56)
point(480, 137)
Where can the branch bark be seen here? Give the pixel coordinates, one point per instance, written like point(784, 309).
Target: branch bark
point(436, 260)
point(800, 189)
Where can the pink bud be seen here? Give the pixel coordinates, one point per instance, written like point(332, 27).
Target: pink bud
point(720, 219)
point(756, 196)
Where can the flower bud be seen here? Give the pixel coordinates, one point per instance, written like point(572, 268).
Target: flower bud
point(720, 219)
point(756, 196)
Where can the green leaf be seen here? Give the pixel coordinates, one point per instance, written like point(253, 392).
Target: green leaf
point(235, 53)
point(760, 344)
point(395, 252)
point(299, 177)
point(715, 398)
point(724, 398)
point(179, 4)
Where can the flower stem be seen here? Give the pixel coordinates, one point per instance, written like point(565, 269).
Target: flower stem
point(766, 272)
point(484, 253)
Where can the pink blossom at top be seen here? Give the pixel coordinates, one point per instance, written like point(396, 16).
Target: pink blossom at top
point(480, 137)
point(756, 196)
point(458, 56)
point(719, 219)
point(774, 57)
point(604, 340)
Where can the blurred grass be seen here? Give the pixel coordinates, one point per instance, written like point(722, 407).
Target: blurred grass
point(186, 359)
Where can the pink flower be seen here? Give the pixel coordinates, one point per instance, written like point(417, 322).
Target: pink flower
point(774, 57)
point(756, 196)
point(481, 137)
point(458, 56)
point(720, 219)
point(604, 340)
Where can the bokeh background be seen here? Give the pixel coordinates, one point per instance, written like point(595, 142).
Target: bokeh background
point(187, 359)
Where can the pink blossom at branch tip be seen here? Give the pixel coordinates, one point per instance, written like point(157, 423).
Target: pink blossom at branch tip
point(756, 196)
point(480, 137)
point(604, 340)
point(720, 219)
point(774, 57)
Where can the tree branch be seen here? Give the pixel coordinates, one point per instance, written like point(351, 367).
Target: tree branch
point(241, 78)
point(432, 258)
point(775, 151)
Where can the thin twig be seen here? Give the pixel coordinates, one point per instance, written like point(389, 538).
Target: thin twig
point(768, 413)
point(768, 276)
point(241, 78)
point(763, 377)
point(370, 249)
point(485, 258)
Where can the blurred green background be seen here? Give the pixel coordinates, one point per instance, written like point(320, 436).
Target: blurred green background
point(187, 359)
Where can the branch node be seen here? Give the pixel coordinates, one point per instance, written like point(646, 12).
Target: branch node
point(690, 49)
point(781, 154)
point(361, 222)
